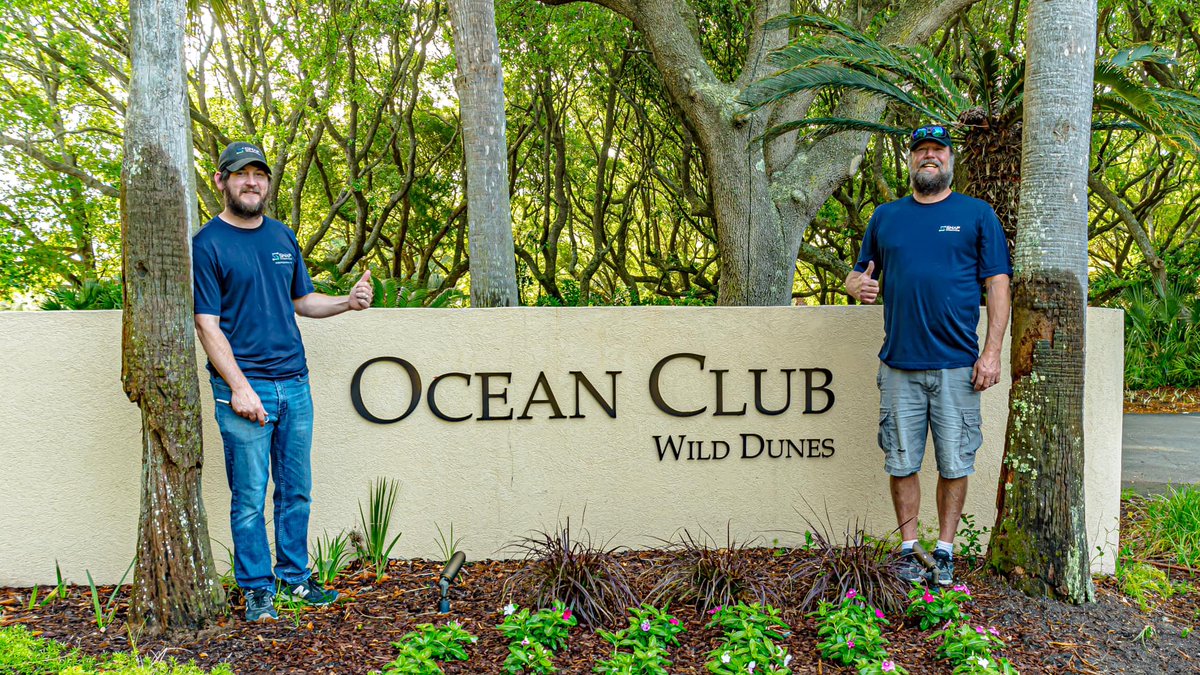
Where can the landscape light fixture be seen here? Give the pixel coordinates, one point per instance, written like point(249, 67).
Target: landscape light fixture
point(452, 568)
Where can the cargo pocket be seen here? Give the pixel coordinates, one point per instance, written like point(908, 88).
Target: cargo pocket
point(972, 434)
point(888, 434)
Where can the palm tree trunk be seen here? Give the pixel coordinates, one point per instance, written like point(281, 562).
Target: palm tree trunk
point(1039, 540)
point(175, 585)
point(480, 86)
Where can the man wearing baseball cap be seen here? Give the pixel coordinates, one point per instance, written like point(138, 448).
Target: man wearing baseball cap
point(250, 282)
point(934, 250)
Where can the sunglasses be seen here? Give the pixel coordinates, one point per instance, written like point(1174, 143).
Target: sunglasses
point(933, 131)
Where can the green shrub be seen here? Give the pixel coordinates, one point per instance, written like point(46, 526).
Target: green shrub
point(23, 654)
point(1162, 337)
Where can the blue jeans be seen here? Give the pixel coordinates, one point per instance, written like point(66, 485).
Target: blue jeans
point(282, 448)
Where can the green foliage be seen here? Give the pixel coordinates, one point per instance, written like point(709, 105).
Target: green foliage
point(650, 659)
point(647, 625)
point(548, 627)
point(420, 650)
point(534, 637)
point(932, 609)
point(706, 575)
point(373, 545)
point(1162, 337)
point(23, 654)
point(529, 657)
point(447, 543)
point(92, 295)
point(961, 643)
point(1139, 581)
point(330, 556)
point(580, 574)
point(104, 616)
point(881, 666)
point(970, 551)
point(851, 631)
point(750, 633)
point(1169, 526)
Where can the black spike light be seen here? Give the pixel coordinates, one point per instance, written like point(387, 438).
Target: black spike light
point(452, 568)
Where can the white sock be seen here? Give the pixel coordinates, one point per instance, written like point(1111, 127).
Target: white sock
point(946, 546)
point(907, 546)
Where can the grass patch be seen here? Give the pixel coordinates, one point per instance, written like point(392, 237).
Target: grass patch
point(23, 653)
point(1167, 527)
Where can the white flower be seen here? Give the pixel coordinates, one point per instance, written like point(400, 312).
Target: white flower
point(983, 662)
point(525, 642)
point(509, 609)
point(786, 660)
point(725, 657)
point(750, 668)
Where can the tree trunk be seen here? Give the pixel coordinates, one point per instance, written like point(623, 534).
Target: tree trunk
point(480, 87)
point(175, 586)
point(1039, 540)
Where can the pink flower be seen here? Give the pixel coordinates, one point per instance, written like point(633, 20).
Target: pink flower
point(850, 644)
point(878, 614)
point(851, 594)
point(567, 615)
point(645, 626)
point(993, 631)
point(927, 597)
point(961, 588)
point(887, 667)
point(714, 610)
point(980, 629)
point(674, 621)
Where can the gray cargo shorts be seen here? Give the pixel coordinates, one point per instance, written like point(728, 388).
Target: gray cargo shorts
point(914, 402)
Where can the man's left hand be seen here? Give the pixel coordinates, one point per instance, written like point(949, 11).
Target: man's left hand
point(986, 371)
point(363, 293)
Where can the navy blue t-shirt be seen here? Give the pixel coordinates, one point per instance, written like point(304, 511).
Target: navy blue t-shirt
point(933, 259)
point(248, 277)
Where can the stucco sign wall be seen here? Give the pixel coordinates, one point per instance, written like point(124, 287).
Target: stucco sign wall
point(632, 422)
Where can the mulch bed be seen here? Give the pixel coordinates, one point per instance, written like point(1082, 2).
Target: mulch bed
point(1164, 400)
point(354, 637)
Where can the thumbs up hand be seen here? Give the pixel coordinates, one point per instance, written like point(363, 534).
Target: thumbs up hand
point(868, 288)
point(363, 293)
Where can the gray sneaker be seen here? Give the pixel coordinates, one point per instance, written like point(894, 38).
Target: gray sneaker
point(909, 569)
point(310, 591)
point(260, 605)
point(944, 574)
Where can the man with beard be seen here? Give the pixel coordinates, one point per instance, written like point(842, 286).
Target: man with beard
point(934, 250)
point(249, 283)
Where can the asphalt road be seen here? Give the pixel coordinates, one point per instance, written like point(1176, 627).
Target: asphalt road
point(1159, 451)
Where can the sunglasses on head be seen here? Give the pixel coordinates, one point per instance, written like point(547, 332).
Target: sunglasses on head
point(933, 131)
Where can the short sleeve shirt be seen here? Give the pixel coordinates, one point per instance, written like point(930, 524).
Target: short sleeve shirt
point(932, 260)
point(248, 278)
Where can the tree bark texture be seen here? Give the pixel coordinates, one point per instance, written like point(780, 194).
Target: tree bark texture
point(175, 584)
point(480, 87)
point(1040, 539)
point(764, 197)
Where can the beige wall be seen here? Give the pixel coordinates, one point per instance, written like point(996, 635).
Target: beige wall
point(70, 452)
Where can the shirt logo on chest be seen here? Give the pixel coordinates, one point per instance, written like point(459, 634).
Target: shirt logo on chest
point(282, 258)
point(950, 228)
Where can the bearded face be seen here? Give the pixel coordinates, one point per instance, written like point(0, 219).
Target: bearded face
point(930, 169)
point(244, 190)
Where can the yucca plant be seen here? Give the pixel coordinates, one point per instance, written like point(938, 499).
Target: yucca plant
point(373, 546)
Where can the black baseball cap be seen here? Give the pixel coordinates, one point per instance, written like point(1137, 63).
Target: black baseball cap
point(240, 155)
point(930, 132)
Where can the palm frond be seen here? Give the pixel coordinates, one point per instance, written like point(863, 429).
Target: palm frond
point(935, 80)
point(1145, 52)
point(781, 85)
point(828, 126)
point(817, 24)
point(856, 55)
